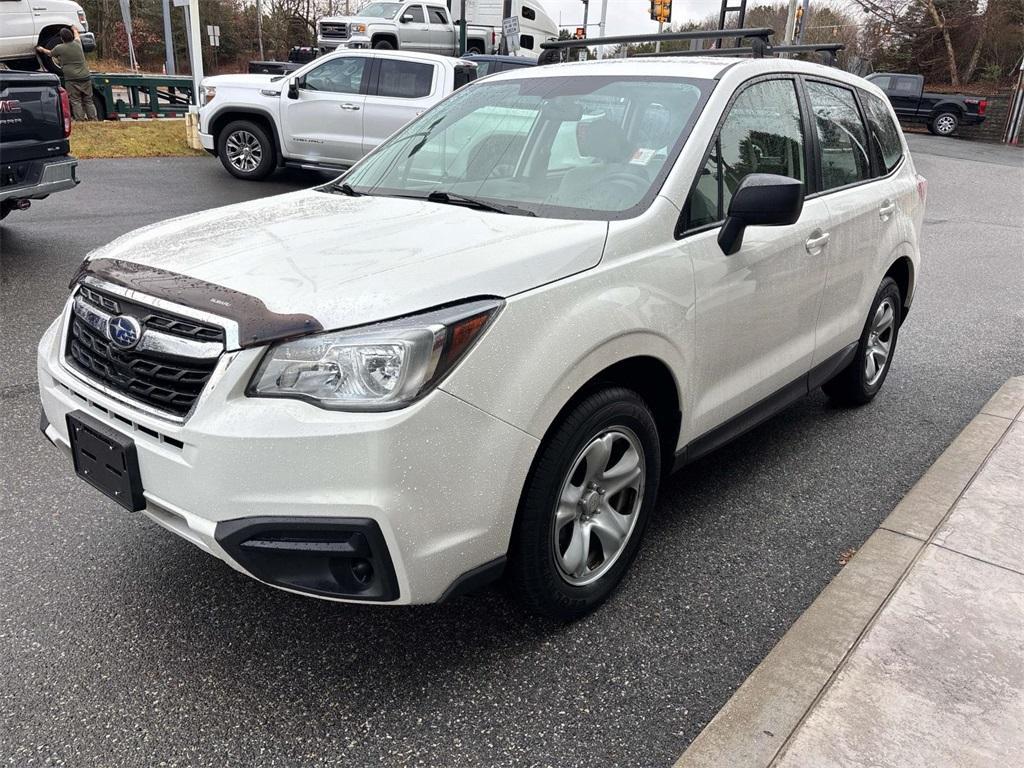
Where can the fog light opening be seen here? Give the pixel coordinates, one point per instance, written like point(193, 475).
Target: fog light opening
point(362, 572)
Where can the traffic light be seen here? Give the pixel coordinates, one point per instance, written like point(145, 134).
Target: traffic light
point(581, 33)
point(661, 11)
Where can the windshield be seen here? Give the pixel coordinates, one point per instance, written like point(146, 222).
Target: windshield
point(579, 147)
point(381, 10)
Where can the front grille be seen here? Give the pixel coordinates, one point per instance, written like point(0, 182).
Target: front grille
point(161, 380)
point(334, 31)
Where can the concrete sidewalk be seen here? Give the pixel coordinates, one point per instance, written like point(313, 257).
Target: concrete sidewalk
point(914, 654)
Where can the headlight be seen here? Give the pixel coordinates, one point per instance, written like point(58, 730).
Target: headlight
point(356, 29)
point(209, 91)
point(375, 368)
point(82, 21)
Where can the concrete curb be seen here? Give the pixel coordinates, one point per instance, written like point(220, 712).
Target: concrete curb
point(758, 721)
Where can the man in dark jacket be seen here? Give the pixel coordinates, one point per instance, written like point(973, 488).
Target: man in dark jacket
point(71, 57)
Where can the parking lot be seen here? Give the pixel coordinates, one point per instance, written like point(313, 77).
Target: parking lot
point(120, 643)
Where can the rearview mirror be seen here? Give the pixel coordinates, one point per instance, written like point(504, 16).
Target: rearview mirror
point(761, 200)
point(406, 18)
point(293, 88)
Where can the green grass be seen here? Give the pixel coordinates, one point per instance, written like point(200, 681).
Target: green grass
point(131, 138)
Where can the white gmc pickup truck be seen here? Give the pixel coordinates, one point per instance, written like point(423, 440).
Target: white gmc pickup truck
point(327, 114)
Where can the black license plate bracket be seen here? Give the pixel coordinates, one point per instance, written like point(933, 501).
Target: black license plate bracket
point(106, 459)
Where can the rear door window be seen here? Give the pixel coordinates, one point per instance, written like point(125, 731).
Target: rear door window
point(885, 136)
point(842, 138)
point(761, 134)
point(404, 79)
point(437, 15)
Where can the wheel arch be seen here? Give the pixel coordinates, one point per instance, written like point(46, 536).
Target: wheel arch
point(391, 37)
point(946, 106)
point(220, 120)
point(902, 271)
point(49, 30)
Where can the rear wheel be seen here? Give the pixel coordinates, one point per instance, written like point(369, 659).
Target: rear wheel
point(585, 505)
point(383, 45)
point(246, 151)
point(861, 380)
point(944, 124)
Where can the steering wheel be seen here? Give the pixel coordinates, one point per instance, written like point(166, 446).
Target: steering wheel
point(636, 185)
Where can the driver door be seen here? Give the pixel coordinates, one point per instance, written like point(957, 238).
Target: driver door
point(325, 123)
point(756, 310)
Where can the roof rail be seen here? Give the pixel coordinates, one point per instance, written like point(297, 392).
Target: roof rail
point(828, 51)
point(759, 46)
point(762, 33)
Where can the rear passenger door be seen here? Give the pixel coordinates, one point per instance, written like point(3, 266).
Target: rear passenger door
point(400, 89)
point(442, 33)
point(756, 310)
point(860, 200)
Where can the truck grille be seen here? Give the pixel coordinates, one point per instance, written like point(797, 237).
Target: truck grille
point(334, 31)
point(168, 366)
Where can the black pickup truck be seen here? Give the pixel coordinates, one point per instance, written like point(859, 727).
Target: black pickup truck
point(943, 113)
point(35, 122)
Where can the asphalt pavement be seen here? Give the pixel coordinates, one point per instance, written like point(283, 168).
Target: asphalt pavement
point(121, 644)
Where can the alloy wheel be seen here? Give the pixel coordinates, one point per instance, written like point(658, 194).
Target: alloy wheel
point(598, 506)
point(879, 346)
point(945, 124)
point(245, 153)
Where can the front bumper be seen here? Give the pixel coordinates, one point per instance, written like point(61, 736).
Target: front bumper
point(356, 42)
point(208, 142)
point(440, 480)
point(52, 176)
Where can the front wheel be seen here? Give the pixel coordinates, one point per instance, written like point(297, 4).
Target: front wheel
point(383, 45)
point(246, 151)
point(585, 505)
point(860, 381)
point(944, 124)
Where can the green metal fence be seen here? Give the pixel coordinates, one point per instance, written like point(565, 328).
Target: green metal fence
point(134, 96)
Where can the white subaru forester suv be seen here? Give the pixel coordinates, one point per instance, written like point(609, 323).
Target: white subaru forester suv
point(478, 352)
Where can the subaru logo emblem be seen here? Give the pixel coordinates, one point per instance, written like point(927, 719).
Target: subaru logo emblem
point(124, 331)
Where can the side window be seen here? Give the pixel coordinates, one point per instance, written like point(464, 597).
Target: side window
point(437, 15)
point(344, 75)
point(529, 14)
point(761, 134)
point(526, 41)
point(885, 136)
point(405, 79)
point(416, 11)
point(884, 82)
point(904, 86)
point(841, 135)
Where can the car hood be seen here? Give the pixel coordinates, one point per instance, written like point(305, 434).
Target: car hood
point(347, 261)
point(244, 81)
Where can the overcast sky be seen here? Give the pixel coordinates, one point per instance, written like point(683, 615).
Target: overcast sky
point(626, 16)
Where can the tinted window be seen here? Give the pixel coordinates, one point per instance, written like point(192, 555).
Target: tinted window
point(416, 12)
point(761, 134)
point(841, 135)
point(904, 86)
point(526, 41)
point(343, 75)
point(885, 136)
point(405, 79)
point(529, 13)
point(882, 81)
point(437, 15)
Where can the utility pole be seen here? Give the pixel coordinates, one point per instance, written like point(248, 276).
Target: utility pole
point(586, 15)
point(601, 26)
point(259, 27)
point(168, 39)
point(790, 22)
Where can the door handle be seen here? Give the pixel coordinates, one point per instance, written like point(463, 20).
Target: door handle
point(350, 107)
point(888, 209)
point(816, 242)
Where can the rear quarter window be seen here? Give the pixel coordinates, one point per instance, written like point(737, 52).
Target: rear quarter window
point(885, 136)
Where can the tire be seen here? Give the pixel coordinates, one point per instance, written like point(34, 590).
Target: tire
point(475, 49)
point(261, 158)
point(861, 380)
point(566, 559)
point(101, 106)
point(384, 45)
point(944, 124)
point(47, 62)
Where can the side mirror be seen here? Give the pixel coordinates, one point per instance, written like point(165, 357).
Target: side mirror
point(293, 88)
point(406, 18)
point(762, 200)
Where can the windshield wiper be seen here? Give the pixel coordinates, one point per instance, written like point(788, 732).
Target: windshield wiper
point(452, 198)
point(346, 189)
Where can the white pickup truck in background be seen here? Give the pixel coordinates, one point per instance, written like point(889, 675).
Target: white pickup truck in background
point(325, 115)
point(430, 27)
point(24, 24)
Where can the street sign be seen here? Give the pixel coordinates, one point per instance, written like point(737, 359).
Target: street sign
point(510, 30)
point(214, 33)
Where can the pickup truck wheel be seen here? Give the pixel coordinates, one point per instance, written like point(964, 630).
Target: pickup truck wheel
point(245, 151)
point(585, 505)
point(860, 381)
point(944, 124)
point(384, 45)
point(48, 63)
